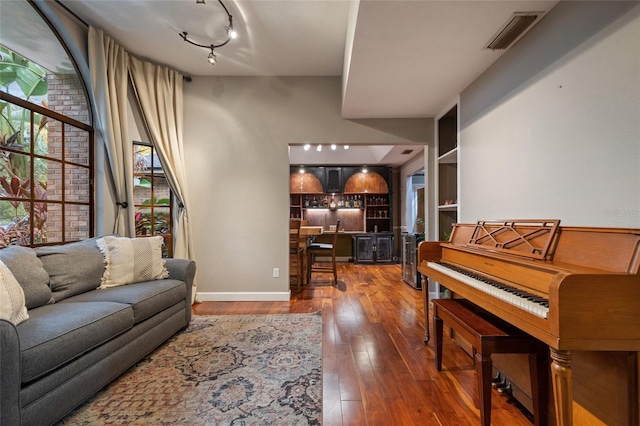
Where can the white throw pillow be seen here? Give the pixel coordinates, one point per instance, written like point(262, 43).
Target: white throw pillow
point(131, 260)
point(12, 302)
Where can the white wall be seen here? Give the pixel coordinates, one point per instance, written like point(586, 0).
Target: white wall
point(237, 131)
point(418, 164)
point(553, 129)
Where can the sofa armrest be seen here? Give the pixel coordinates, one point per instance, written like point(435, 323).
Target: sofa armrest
point(183, 270)
point(9, 374)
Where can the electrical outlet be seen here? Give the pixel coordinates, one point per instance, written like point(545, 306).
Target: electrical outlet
point(276, 272)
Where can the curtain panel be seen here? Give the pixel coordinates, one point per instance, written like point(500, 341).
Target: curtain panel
point(159, 94)
point(108, 64)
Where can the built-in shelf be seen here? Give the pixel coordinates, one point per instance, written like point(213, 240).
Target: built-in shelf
point(449, 157)
point(448, 208)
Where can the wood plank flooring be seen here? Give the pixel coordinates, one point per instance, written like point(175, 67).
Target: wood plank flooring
point(376, 368)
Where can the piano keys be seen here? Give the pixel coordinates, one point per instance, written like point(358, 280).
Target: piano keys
point(537, 305)
point(573, 288)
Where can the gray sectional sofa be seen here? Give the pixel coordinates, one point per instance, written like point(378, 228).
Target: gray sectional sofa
point(78, 338)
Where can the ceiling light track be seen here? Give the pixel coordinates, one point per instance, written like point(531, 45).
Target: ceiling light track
point(231, 34)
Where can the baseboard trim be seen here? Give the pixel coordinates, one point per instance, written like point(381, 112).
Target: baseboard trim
point(283, 296)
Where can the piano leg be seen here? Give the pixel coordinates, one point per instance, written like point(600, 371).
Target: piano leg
point(632, 386)
point(561, 376)
point(539, 374)
point(425, 300)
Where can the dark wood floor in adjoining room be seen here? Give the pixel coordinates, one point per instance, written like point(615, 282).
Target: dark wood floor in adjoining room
point(376, 368)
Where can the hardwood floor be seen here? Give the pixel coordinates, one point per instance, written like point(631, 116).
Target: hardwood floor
point(376, 368)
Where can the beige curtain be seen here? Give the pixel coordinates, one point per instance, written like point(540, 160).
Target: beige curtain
point(108, 63)
point(159, 94)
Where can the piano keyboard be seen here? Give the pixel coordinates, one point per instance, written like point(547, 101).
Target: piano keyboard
point(537, 305)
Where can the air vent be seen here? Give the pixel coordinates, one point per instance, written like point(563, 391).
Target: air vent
point(407, 151)
point(515, 27)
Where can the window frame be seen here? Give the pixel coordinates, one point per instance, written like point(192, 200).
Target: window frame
point(65, 120)
point(168, 237)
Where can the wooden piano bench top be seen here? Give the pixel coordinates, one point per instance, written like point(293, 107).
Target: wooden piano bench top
point(488, 334)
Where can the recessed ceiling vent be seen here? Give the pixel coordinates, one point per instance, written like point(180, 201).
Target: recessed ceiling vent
point(515, 27)
point(407, 151)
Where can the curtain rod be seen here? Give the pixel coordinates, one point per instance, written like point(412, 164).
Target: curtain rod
point(72, 13)
point(186, 78)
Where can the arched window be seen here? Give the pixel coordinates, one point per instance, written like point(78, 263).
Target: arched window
point(46, 136)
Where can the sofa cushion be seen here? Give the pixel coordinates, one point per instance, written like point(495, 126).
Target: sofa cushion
point(12, 305)
point(146, 298)
point(56, 334)
point(28, 270)
point(131, 260)
point(73, 268)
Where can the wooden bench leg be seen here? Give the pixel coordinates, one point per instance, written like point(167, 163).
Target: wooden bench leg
point(438, 325)
point(484, 369)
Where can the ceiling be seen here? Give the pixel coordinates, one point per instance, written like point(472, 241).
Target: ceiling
point(388, 155)
point(398, 59)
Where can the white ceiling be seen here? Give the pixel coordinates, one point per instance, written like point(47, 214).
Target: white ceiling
point(404, 58)
point(390, 155)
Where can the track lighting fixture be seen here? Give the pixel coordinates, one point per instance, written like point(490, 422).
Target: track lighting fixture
point(231, 34)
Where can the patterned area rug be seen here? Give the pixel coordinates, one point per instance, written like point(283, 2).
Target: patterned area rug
point(221, 370)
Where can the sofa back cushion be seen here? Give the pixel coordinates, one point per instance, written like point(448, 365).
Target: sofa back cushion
point(73, 268)
point(29, 272)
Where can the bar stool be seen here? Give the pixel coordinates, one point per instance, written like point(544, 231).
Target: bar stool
point(323, 249)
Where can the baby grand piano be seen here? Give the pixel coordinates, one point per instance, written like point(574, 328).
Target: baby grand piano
point(573, 288)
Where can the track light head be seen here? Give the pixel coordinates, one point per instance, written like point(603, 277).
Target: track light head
point(231, 34)
point(212, 58)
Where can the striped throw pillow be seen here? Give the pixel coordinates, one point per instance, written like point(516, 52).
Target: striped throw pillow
point(131, 260)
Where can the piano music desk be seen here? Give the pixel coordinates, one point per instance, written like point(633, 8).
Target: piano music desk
point(488, 335)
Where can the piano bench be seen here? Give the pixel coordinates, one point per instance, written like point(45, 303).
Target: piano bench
point(488, 334)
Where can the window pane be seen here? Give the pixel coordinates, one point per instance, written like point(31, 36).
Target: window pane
point(66, 96)
point(167, 248)
point(77, 184)
point(141, 195)
point(161, 191)
point(14, 226)
point(14, 175)
point(55, 219)
point(143, 221)
point(141, 159)
point(161, 220)
point(48, 177)
point(47, 136)
point(77, 222)
point(15, 127)
point(76, 147)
